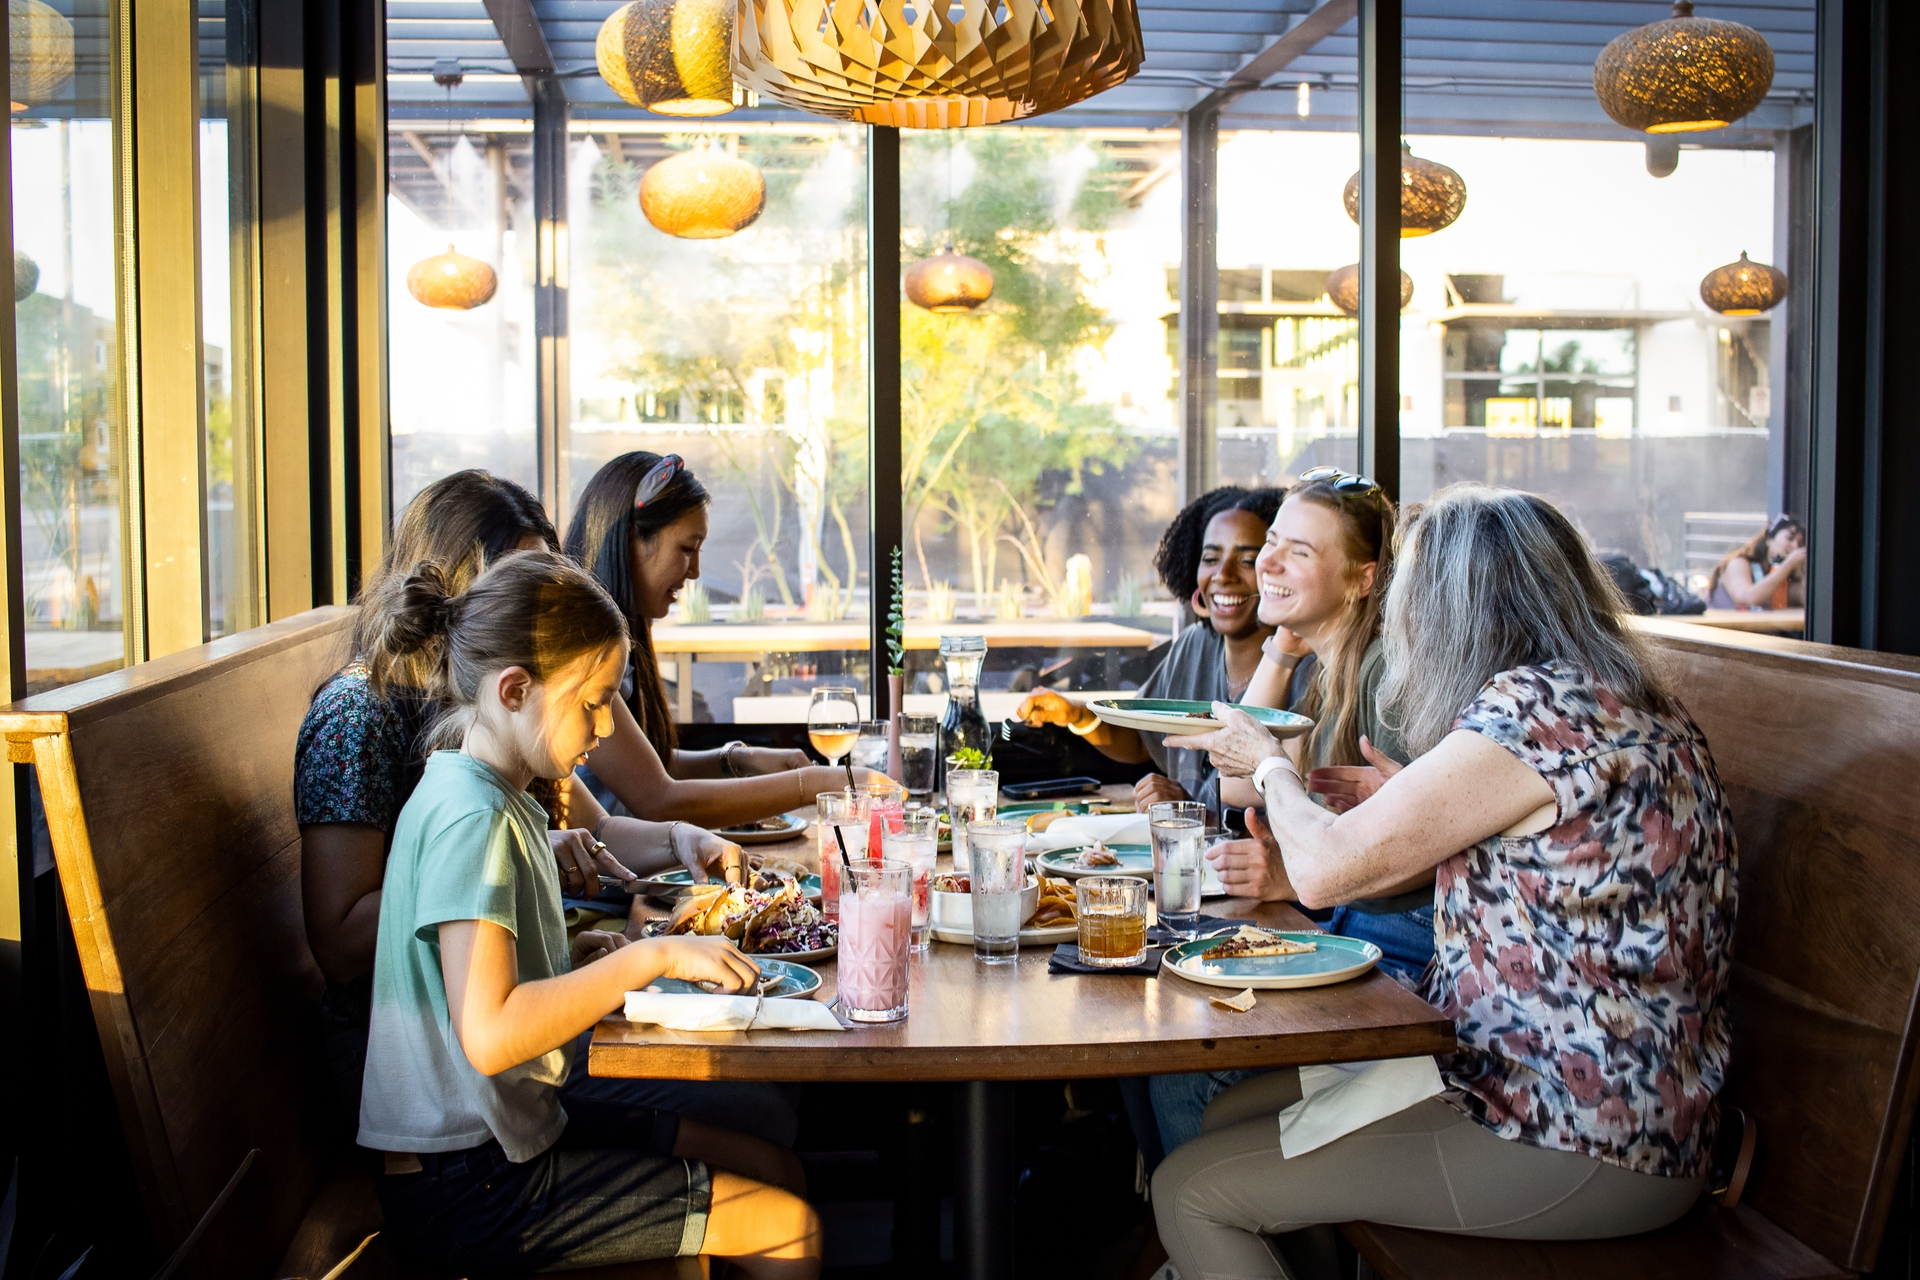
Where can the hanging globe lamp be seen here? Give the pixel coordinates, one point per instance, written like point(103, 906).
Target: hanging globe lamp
point(673, 57)
point(1683, 74)
point(941, 66)
point(452, 281)
point(702, 194)
point(1743, 288)
point(1431, 195)
point(1343, 289)
point(26, 277)
point(948, 282)
point(39, 52)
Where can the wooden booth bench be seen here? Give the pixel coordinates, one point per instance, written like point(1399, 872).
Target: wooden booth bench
point(168, 790)
point(169, 796)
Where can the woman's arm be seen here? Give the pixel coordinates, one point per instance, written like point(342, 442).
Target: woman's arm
point(503, 1022)
point(1047, 707)
point(737, 760)
point(342, 865)
point(1757, 595)
point(1272, 683)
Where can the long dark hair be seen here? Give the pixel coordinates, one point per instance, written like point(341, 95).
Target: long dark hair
point(1177, 559)
point(600, 539)
point(461, 523)
point(1756, 548)
point(1333, 699)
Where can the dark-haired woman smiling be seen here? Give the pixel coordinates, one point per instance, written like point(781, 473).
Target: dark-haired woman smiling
point(638, 529)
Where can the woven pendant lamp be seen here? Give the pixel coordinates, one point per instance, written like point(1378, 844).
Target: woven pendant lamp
point(1683, 74)
point(1743, 288)
point(702, 194)
point(997, 60)
point(948, 282)
point(1343, 289)
point(1432, 196)
point(452, 281)
point(39, 52)
point(673, 57)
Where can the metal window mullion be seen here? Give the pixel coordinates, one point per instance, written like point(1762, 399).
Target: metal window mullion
point(884, 481)
point(244, 381)
point(370, 259)
point(1199, 299)
point(550, 114)
point(1380, 123)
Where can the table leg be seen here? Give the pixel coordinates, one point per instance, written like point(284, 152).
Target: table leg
point(983, 1179)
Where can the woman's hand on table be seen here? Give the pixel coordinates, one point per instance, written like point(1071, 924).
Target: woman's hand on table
point(1044, 706)
point(1345, 786)
point(582, 859)
point(590, 944)
point(693, 958)
point(1237, 746)
point(1252, 868)
point(1153, 789)
point(702, 852)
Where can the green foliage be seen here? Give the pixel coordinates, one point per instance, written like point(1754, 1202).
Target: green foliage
point(695, 605)
point(897, 621)
point(968, 758)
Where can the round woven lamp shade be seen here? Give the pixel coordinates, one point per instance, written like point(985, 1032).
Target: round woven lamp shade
point(1683, 74)
point(1743, 288)
point(948, 282)
point(1343, 289)
point(1432, 196)
point(702, 194)
point(26, 277)
point(992, 63)
point(673, 57)
point(39, 52)
point(452, 281)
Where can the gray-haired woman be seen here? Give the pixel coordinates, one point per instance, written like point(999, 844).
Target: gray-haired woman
point(1584, 917)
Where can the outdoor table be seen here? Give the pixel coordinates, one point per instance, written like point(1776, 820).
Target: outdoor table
point(982, 1027)
point(1770, 620)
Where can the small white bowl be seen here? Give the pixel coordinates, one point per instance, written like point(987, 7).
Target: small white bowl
point(954, 911)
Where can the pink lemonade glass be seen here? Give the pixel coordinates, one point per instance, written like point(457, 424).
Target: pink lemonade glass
point(843, 821)
point(915, 840)
point(887, 801)
point(876, 924)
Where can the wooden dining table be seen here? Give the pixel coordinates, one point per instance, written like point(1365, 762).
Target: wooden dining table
point(983, 1027)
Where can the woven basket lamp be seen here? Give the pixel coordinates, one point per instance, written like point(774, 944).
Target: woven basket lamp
point(39, 52)
point(452, 281)
point(1743, 288)
point(702, 194)
point(1683, 74)
point(1343, 289)
point(26, 277)
point(1432, 196)
point(999, 60)
point(948, 282)
point(673, 57)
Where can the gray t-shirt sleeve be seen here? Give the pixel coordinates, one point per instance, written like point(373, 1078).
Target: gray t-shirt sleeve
point(1373, 669)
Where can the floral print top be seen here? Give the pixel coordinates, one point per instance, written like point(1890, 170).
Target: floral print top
point(1586, 967)
point(356, 759)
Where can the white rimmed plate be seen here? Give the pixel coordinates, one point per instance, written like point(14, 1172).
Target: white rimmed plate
point(796, 981)
point(1179, 718)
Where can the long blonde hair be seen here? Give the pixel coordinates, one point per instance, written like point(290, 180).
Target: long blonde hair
point(1333, 699)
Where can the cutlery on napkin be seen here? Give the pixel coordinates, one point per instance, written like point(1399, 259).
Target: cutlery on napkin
point(728, 1013)
point(1114, 828)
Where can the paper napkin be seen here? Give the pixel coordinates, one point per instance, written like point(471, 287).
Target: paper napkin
point(1114, 828)
point(728, 1013)
point(1338, 1099)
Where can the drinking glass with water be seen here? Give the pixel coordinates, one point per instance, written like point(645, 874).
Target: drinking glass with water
point(919, 754)
point(972, 797)
point(870, 747)
point(999, 879)
point(1179, 829)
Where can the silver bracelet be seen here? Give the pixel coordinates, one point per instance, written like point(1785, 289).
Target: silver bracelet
point(1078, 732)
point(726, 758)
point(677, 822)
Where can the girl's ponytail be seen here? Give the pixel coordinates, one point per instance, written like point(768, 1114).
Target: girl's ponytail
point(412, 614)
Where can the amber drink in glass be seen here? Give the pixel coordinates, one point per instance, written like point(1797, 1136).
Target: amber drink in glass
point(1113, 920)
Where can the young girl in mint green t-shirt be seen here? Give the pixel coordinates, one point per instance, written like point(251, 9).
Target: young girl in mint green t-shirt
point(478, 996)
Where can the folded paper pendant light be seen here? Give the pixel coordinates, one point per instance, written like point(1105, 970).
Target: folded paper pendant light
point(1432, 196)
point(1683, 73)
point(1343, 289)
point(948, 282)
point(673, 57)
point(973, 62)
point(702, 194)
point(39, 52)
point(1743, 288)
point(451, 281)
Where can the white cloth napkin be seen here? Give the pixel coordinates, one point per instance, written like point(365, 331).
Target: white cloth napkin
point(1340, 1098)
point(1114, 828)
point(728, 1013)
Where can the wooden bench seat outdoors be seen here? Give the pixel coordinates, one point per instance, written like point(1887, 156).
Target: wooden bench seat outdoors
point(168, 790)
point(1819, 750)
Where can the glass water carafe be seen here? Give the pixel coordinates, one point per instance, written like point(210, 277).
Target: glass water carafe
point(964, 724)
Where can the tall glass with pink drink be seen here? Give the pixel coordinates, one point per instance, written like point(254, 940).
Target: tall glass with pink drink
point(915, 840)
point(876, 923)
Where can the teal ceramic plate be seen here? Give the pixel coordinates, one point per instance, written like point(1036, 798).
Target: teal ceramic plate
point(1334, 960)
point(1171, 716)
point(780, 979)
point(766, 831)
point(1027, 808)
point(809, 885)
point(1135, 860)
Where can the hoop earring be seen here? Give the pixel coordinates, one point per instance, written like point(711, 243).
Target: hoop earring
point(1198, 603)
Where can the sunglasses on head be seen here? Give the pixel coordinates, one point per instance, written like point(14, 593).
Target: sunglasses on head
point(1344, 483)
point(1785, 522)
point(658, 477)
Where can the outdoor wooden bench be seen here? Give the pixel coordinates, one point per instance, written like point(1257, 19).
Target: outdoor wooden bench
point(168, 790)
point(1818, 748)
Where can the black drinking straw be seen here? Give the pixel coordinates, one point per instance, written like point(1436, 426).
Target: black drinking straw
point(848, 762)
point(841, 841)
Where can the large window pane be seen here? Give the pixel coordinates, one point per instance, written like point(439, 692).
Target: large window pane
point(68, 350)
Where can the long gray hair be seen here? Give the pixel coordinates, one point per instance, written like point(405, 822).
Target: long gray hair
point(1492, 579)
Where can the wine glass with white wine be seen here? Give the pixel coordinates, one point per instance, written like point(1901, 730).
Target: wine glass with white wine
point(833, 721)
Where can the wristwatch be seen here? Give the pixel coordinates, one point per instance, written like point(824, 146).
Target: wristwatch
point(1266, 769)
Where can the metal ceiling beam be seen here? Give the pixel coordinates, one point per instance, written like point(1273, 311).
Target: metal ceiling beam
point(520, 31)
point(1299, 39)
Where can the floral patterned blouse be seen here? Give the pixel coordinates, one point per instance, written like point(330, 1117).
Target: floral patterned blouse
point(1586, 967)
point(356, 759)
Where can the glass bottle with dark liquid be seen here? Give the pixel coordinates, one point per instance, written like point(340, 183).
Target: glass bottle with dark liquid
point(963, 724)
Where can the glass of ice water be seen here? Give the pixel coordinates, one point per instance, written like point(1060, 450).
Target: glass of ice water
point(870, 748)
point(919, 754)
point(1179, 829)
point(999, 878)
point(972, 797)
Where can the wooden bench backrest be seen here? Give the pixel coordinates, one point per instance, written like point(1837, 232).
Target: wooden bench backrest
point(169, 797)
point(1819, 750)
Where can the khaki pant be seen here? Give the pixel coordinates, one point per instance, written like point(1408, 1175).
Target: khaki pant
point(1429, 1167)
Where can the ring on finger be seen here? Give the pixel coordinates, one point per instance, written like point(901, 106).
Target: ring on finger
point(599, 846)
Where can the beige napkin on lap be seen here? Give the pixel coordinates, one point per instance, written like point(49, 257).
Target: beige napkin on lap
point(1345, 1096)
point(728, 1013)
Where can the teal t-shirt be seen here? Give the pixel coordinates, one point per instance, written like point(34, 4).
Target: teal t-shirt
point(467, 846)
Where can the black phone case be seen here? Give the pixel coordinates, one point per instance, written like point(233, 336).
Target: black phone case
point(1051, 789)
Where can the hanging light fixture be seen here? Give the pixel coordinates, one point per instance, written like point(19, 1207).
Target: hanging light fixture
point(1431, 195)
point(702, 194)
point(1683, 73)
point(970, 63)
point(1743, 288)
point(26, 277)
point(673, 57)
point(451, 281)
point(39, 52)
point(948, 282)
point(1343, 289)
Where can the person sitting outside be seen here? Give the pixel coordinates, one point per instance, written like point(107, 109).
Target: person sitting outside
point(1769, 572)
